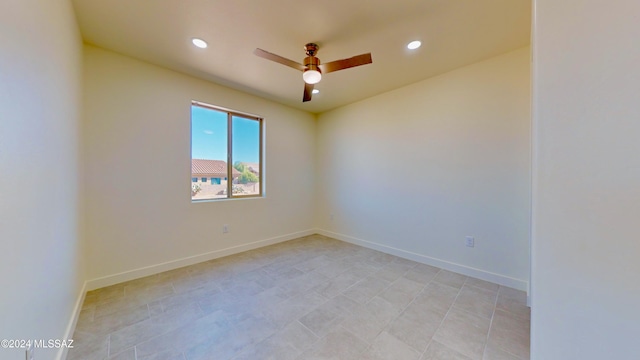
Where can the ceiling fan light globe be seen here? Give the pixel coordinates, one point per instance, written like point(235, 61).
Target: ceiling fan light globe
point(199, 43)
point(312, 76)
point(414, 45)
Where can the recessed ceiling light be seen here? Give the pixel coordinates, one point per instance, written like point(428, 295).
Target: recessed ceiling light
point(199, 43)
point(315, 91)
point(414, 45)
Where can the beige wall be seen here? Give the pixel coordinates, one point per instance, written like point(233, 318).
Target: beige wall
point(415, 170)
point(40, 108)
point(137, 126)
point(586, 193)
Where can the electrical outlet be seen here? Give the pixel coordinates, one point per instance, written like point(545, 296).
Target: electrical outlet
point(225, 228)
point(469, 241)
point(29, 353)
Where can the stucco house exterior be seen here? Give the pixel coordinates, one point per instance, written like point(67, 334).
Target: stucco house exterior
point(212, 172)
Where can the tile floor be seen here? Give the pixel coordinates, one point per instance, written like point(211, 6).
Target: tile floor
point(309, 298)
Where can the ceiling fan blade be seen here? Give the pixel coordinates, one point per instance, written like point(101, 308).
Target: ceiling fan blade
point(279, 59)
point(308, 88)
point(346, 63)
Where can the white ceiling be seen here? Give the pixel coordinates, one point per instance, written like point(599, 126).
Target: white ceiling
point(454, 33)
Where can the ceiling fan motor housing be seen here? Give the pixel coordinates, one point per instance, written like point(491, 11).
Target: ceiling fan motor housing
point(312, 63)
point(311, 49)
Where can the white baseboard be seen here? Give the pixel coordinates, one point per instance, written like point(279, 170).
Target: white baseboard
point(71, 327)
point(443, 264)
point(175, 264)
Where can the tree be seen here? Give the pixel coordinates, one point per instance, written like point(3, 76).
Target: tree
point(240, 166)
point(247, 177)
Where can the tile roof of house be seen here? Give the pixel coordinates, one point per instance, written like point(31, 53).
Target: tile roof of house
point(211, 167)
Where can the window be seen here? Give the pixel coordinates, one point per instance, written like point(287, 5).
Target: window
point(194, 179)
point(226, 147)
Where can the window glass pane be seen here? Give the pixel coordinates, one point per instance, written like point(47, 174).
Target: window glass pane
point(208, 152)
point(245, 150)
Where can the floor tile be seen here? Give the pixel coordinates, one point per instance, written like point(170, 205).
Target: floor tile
point(165, 355)
point(401, 292)
point(335, 286)
point(450, 279)
point(293, 308)
point(87, 346)
point(513, 301)
point(197, 331)
point(268, 351)
point(437, 297)
point(422, 273)
point(464, 332)
point(366, 289)
point(510, 333)
point(105, 324)
point(368, 321)
point(323, 319)
point(129, 354)
point(386, 346)
point(416, 326)
point(338, 344)
point(308, 298)
point(438, 351)
point(492, 353)
point(296, 336)
point(99, 296)
point(477, 301)
point(142, 331)
point(482, 284)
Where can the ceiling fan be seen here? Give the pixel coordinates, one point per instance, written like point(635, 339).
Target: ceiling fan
point(312, 70)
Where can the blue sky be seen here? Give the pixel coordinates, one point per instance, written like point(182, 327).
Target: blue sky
point(209, 136)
